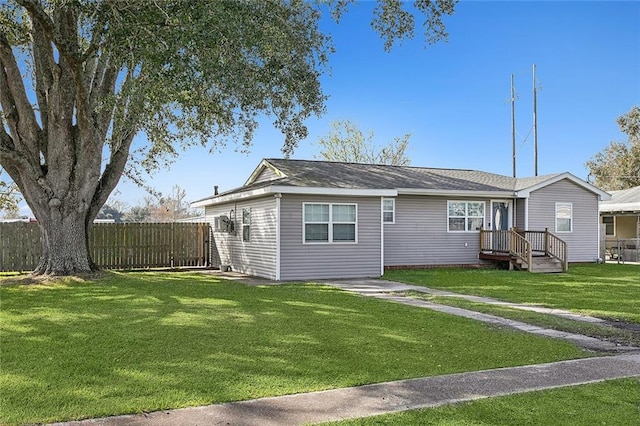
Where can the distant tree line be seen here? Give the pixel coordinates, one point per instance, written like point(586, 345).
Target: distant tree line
point(168, 208)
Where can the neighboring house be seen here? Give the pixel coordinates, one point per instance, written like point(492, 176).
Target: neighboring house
point(620, 218)
point(296, 219)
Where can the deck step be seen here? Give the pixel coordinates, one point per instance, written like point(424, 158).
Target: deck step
point(541, 264)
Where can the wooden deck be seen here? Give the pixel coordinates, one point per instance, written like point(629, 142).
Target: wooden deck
point(533, 251)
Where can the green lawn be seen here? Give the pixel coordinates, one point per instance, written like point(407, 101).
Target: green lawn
point(616, 335)
point(134, 342)
point(605, 290)
point(615, 403)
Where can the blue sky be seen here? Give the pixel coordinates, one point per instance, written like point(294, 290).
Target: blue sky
point(454, 97)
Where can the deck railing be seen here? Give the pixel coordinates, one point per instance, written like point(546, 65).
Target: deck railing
point(521, 248)
point(557, 249)
point(523, 244)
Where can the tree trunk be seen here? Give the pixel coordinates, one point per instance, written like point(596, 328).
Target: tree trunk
point(64, 242)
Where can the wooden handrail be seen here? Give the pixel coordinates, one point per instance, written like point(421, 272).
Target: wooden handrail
point(520, 247)
point(557, 248)
point(522, 244)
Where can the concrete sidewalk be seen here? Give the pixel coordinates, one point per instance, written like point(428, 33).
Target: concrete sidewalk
point(370, 400)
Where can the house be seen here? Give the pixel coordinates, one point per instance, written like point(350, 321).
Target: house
point(620, 218)
point(297, 219)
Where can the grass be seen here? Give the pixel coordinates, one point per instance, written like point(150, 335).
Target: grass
point(615, 402)
point(620, 336)
point(608, 291)
point(135, 342)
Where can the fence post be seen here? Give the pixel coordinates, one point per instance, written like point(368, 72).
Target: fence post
point(171, 254)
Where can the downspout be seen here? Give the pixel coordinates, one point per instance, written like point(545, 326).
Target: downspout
point(526, 214)
point(278, 197)
point(600, 251)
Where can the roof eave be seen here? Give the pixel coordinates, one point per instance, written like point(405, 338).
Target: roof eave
point(236, 196)
point(620, 208)
point(456, 192)
point(353, 192)
point(303, 190)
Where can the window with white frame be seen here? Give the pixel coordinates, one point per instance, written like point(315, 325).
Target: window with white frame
point(329, 223)
point(564, 217)
point(465, 216)
point(388, 210)
point(609, 226)
point(246, 224)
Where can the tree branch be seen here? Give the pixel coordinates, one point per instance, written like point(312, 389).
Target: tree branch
point(112, 173)
point(44, 64)
point(5, 138)
point(17, 109)
point(67, 46)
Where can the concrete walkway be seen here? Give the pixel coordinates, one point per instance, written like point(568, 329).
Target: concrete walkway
point(368, 286)
point(365, 401)
point(387, 290)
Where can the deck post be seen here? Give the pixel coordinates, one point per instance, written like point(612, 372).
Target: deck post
point(512, 242)
point(547, 249)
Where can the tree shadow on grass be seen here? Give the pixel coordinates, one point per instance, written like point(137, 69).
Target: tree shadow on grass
point(137, 342)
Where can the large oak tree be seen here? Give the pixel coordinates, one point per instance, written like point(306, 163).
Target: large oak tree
point(79, 79)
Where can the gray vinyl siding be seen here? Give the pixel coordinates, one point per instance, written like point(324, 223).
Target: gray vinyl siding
point(420, 237)
point(330, 260)
point(265, 175)
point(583, 240)
point(256, 257)
point(520, 214)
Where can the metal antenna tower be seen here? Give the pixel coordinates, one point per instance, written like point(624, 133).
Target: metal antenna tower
point(513, 125)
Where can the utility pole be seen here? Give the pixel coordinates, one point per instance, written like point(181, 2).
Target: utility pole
point(535, 123)
point(513, 125)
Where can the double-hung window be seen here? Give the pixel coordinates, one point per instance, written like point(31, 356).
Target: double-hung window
point(609, 226)
point(388, 210)
point(465, 216)
point(564, 217)
point(329, 223)
point(246, 225)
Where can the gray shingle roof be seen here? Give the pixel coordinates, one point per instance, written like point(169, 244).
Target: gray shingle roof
point(631, 195)
point(327, 174)
point(623, 200)
point(375, 176)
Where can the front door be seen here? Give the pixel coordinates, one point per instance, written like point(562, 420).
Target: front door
point(500, 222)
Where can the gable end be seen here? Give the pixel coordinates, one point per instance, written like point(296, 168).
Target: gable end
point(265, 172)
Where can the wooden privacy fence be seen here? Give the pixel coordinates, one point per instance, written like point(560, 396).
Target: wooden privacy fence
point(115, 245)
point(20, 246)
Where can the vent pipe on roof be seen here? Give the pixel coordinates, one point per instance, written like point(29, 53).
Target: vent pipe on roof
point(215, 190)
